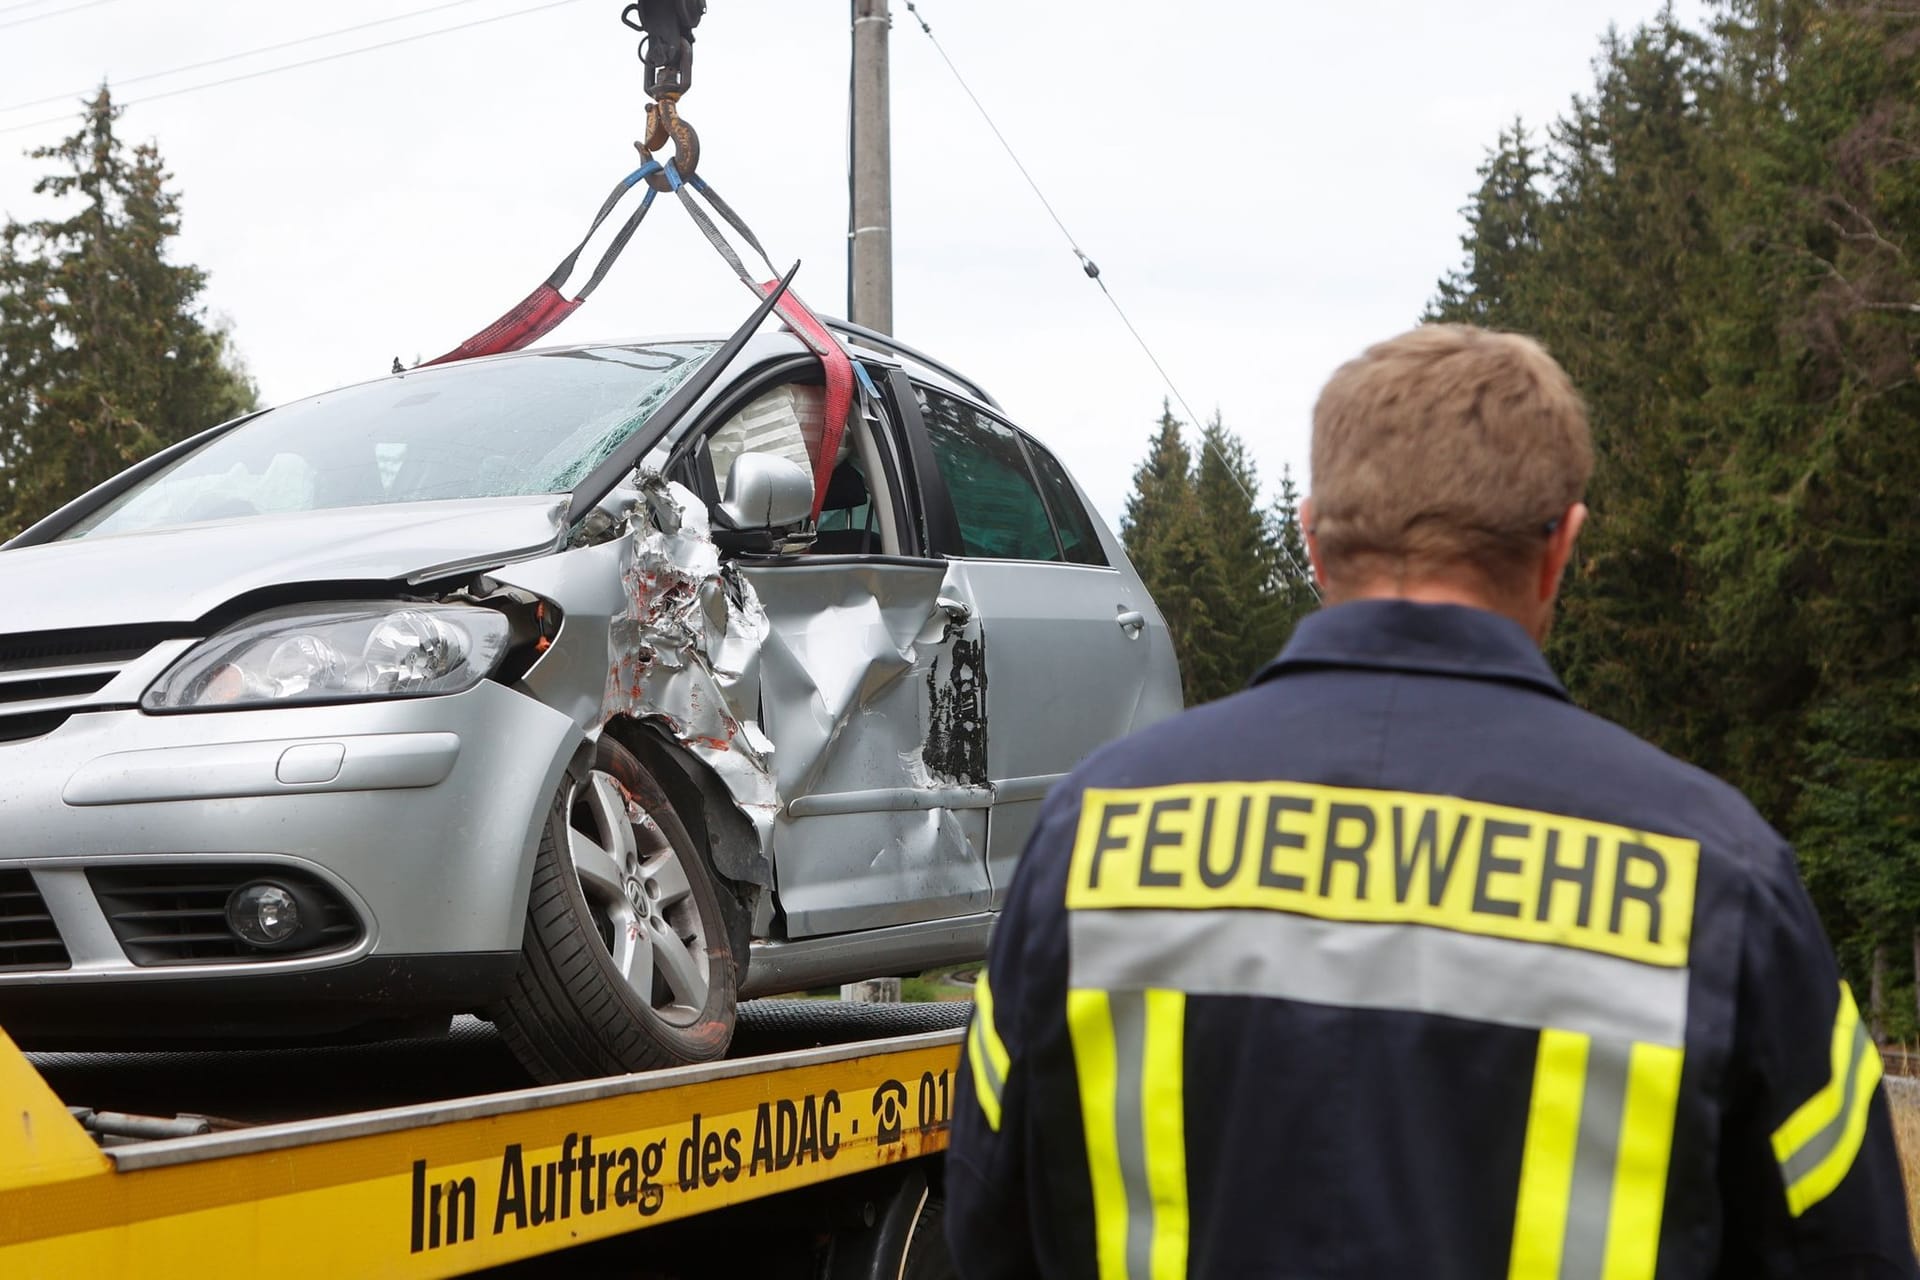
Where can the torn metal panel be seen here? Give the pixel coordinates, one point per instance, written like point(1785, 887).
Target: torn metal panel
point(874, 695)
point(870, 677)
point(684, 652)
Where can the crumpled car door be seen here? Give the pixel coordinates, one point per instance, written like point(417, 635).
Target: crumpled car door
point(872, 685)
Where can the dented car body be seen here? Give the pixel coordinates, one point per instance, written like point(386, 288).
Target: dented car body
point(343, 716)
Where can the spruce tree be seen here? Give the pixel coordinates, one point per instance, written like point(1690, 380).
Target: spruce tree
point(106, 354)
point(1493, 287)
point(1215, 562)
point(1298, 593)
point(1162, 486)
point(1162, 531)
point(1247, 578)
point(1723, 256)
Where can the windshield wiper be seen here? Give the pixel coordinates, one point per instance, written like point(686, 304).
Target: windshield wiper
point(603, 479)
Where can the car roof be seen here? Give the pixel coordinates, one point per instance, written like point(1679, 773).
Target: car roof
point(864, 344)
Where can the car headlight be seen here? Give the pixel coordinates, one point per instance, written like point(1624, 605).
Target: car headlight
point(335, 653)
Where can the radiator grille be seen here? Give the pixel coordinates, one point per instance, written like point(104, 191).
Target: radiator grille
point(48, 676)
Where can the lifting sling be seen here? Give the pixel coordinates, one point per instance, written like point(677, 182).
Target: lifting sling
point(542, 310)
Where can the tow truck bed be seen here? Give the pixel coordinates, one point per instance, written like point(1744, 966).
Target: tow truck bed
point(427, 1158)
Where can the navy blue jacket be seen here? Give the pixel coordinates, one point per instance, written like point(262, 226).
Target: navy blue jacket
point(1398, 964)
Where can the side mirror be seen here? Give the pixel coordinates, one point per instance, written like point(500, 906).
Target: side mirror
point(766, 492)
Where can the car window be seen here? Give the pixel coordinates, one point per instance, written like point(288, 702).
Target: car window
point(1078, 540)
point(520, 425)
point(995, 499)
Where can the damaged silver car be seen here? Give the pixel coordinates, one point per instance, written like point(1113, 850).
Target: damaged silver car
point(534, 686)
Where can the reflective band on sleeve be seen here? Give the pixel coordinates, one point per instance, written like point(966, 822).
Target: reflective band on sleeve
point(987, 1053)
point(1817, 1144)
point(1593, 1174)
point(1129, 1053)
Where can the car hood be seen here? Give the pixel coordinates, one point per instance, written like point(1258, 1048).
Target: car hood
point(181, 574)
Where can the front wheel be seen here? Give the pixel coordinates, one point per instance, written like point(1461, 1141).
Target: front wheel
point(626, 964)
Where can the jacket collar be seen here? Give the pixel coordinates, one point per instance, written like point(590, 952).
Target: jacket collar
point(1399, 635)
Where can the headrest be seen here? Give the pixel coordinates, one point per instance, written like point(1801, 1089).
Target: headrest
point(846, 490)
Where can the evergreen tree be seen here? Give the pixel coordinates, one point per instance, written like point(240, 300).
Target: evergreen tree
point(1492, 287)
point(1215, 562)
point(1817, 509)
point(1162, 487)
point(1162, 530)
point(1722, 255)
point(1298, 594)
point(1247, 578)
point(105, 351)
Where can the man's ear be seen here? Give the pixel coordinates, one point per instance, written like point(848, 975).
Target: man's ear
point(1313, 542)
point(1553, 565)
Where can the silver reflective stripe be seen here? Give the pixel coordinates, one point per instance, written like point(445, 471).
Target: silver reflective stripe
point(1414, 968)
point(985, 1059)
point(1603, 1105)
point(1822, 1144)
point(1130, 1125)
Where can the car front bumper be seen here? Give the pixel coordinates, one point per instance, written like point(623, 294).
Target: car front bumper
point(418, 819)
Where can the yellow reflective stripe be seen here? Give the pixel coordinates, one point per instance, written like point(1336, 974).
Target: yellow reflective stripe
point(1640, 1171)
point(1163, 1104)
point(985, 1087)
point(1817, 1144)
point(1090, 1024)
point(987, 1054)
point(1546, 1164)
point(1129, 1051)
point(1820, 1183)
point(1593, 1173)
point(1819, 1111)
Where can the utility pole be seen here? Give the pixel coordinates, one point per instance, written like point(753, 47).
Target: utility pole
point(870, 259)
point(870, 268)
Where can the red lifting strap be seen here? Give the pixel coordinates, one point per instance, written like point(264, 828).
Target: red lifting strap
point(837, 365)
point(536, 315)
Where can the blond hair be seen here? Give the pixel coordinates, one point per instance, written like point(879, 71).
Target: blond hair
point(1446, 449)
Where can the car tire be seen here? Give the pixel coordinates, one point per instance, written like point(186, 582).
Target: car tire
point(627, 963)
point(928, 1257)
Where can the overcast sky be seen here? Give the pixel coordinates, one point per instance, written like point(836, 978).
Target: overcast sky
point(1267, 187)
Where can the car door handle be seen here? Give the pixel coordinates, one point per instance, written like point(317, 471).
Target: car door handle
point(1133, 622)
point(959, 612)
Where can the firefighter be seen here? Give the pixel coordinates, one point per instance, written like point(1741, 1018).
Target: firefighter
point(1398, 964)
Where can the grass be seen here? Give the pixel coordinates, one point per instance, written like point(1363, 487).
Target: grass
point(933, 986)
point(939, 985)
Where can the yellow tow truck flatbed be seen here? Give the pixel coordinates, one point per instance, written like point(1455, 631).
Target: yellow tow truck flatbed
point(454, 1184)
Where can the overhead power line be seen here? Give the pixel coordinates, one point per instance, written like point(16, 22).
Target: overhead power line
point(123, 81)
point(23, 4)
point(57, 13)
point(308, 62)
point(1092, 271)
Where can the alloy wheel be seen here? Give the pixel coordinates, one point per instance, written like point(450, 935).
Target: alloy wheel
point(641, 902)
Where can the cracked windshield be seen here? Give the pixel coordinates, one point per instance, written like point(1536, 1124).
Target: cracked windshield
point(520, 426)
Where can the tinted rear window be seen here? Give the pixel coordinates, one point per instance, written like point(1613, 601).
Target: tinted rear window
point(1078, 538)
point(995, 499)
